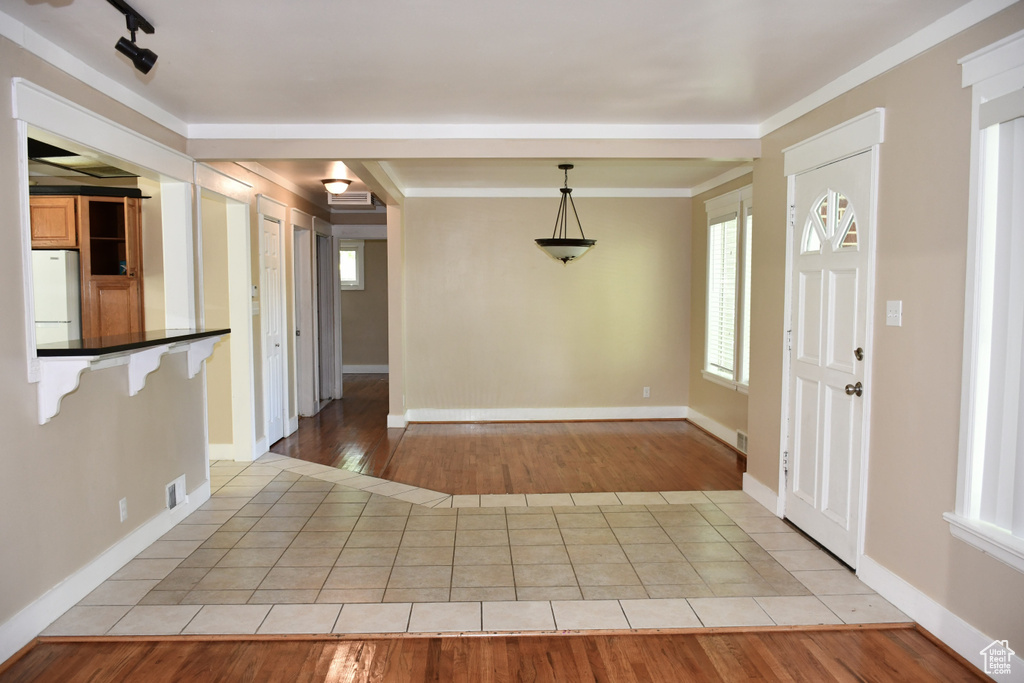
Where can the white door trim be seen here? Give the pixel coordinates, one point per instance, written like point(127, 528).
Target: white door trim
point(859, 134)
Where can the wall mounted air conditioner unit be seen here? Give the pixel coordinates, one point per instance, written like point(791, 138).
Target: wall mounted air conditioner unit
point(350, 198)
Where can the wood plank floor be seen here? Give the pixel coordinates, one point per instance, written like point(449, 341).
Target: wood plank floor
point(559, 457)
point(556, 457)
point(350, 434)
point(838, 654)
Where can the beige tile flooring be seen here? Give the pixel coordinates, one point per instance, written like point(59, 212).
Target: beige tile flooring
point(284, 546)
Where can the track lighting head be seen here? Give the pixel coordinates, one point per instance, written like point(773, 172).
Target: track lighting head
point(142, 58)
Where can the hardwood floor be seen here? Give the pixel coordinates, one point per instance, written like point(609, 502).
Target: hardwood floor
point(559, 457)
point(834, 654)
point(537, 457)
point(350, 434)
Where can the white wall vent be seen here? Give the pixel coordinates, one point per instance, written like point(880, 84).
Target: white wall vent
point(741, 441)
point(176, 493)
point(360, 199)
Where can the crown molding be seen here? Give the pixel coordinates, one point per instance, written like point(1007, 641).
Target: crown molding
point(938, 31)
point(49, 52)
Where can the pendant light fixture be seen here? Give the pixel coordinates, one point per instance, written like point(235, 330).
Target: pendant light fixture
point(560, 246)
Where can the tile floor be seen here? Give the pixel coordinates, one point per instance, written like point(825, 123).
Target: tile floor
point(285, 546)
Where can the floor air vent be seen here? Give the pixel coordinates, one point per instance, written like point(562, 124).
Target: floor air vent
point(741, 441)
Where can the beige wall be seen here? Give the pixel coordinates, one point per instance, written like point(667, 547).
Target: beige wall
point(493, 322)
point(364, 312)
point(261, 185)
point(915, 383)
point(217, 315)
point(62, 481)
point(723, 405)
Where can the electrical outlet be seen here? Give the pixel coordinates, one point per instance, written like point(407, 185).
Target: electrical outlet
point(647, 392)
point(122, 506)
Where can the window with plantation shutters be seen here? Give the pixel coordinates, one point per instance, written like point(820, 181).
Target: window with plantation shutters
point(727, 339)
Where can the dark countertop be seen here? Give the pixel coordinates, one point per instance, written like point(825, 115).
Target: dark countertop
point(98, 346)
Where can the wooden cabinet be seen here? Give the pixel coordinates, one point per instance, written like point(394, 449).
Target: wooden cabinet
point(111, 244)
point(107, 230)
point(54, 222)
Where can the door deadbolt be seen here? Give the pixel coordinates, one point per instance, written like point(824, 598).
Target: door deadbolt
point(852, 389)
point(859, 353)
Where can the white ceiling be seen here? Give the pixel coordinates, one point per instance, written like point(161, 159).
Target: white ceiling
point(474, 61)
point(528, 62)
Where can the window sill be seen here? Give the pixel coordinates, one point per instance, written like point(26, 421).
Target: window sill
point(722, 381)
point(989, 539)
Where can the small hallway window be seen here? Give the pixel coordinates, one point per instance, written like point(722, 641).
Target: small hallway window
point(350, 263)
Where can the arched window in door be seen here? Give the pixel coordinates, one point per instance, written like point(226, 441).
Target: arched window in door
point(832, 221)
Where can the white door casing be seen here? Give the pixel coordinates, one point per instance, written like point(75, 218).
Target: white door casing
point(830, 311)
point(327, 292)
point(273, 329)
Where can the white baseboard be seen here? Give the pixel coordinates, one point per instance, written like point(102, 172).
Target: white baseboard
point(364, 369)
point(29, 622)
point(222, 451)
point(762, 494)
point(293, 425)
point(543, 414)
point(260, 448)
point(710, 426)
point(965, 639)
point(397, 421)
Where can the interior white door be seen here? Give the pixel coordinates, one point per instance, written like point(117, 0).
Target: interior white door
point(305, 371)
point(830, 309)
point(273, 326)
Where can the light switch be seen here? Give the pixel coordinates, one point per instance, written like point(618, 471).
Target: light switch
point(894, 313)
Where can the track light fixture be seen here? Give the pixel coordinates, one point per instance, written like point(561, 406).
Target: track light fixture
point(142, 58)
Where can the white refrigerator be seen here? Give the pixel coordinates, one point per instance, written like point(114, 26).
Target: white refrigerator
point(58, 301)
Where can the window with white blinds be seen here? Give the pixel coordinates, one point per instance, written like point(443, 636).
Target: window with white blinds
point(723, 252)
point(727, 339)
point(990, 498)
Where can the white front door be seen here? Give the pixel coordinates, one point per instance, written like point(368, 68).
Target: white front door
point(830, 308)
point(273, 326)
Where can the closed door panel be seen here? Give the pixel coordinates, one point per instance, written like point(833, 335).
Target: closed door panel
point(833, 210)
point(273, 323)
point(115, 306)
